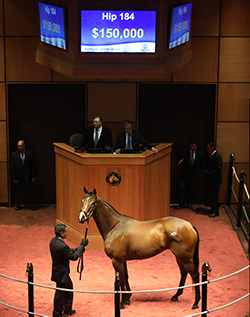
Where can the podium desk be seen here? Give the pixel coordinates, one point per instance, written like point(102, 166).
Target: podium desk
point(137, 185)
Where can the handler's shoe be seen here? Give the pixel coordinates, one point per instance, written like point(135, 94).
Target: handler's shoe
point(70, 313)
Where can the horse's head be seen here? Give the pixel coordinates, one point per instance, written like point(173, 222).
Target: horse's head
point(89, 202)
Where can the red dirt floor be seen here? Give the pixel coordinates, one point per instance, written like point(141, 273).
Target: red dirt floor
point(25, 237)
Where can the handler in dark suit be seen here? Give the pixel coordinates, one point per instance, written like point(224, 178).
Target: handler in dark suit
point(97, 136)
point(213, 171)
point(190, 162)
point(23, 173)
point(131, 139)
point(61, 253)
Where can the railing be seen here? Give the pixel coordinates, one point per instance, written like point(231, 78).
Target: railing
point(117, 292)
point(242, 212)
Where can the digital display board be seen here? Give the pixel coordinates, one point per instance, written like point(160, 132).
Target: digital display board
point(180, 25)
point(118, 31)
point(52, 27)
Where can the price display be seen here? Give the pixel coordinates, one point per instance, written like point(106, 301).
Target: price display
point(52, 25)
point(180, 26)
point(118, 31)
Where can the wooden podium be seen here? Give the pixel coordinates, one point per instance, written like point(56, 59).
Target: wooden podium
point(137, 185)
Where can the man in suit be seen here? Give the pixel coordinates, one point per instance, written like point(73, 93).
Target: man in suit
point(97, 136)
point(61, 253)
point(131, 139)
point(23, 173)
point(190, 162)
point(213, 171)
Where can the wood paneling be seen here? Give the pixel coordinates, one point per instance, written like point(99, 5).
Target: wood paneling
point(2, 102)
point(20, 61)
point(21, 18)
point(3, 142)
point(235, 18)
point(1, 60)
point(113, 101)
point(205, 18)
point(234, 60)
point(233, 138)
point(3, 183)
point(233, 102)
point(144, 191)
point(203, 66)
point(1, 18)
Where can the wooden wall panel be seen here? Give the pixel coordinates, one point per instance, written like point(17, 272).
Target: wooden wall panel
point(21, 18)
point(233, 138)
point(233, 102)
point(205, 18)
point(20, 61)
point(234, 60)
point(1, 60)
point(113, 101)
point(3, 183)
point(235, 18)
point(1, 18)
point(2, 102)
point(204, 62)
point(3, 142)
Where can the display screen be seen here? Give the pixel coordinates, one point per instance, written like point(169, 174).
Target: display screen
point(180, 25)
point(118, 31)
point(52, 28)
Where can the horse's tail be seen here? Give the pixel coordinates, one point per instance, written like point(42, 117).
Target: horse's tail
point(196, 251)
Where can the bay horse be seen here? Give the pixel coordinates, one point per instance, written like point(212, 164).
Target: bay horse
point(128, 239)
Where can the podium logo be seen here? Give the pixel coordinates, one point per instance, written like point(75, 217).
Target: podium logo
point(113, 178)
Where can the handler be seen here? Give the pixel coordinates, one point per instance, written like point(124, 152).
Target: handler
point(61, 253)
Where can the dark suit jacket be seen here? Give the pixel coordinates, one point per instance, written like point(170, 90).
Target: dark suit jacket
point(17, 167)
point(104, 139)
point(214, 168)
point(191, 171)
point(61, 253)
point(137, 138)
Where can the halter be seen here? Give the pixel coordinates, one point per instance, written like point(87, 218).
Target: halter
point(80, 265)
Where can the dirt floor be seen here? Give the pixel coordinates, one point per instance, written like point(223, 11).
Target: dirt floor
point(25, 237)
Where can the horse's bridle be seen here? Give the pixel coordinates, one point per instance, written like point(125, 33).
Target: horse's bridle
point(86, 217)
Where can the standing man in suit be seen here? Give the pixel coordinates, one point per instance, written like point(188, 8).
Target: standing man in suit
point(131, 139)
point(213, 171)
point(23, 173)
point(61, 253)
point(97, 136)
point(190, 162)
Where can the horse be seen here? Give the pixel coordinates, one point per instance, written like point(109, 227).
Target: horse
point(128, 239)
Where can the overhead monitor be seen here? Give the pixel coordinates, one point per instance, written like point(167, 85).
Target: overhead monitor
point(105, 31)
point(52, 25)
point(180, 25)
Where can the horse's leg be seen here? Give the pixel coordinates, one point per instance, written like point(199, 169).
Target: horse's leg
point(127, 302)
point(193, 271)
point(182, 280)
point(119, 267)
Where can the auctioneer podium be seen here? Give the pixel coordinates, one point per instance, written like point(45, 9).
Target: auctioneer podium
point(137, 185)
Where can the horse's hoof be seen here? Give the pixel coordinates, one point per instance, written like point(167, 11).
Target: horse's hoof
point(127, 302)
point(174, 299)
point(122, 306)
point(194, 306)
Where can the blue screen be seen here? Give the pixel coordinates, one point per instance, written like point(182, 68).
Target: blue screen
point(180, 26)
point(52, 30)
point(118, 31)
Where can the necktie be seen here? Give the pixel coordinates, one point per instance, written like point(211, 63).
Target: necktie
point(192, 158)
point(129, 141)
point(22, 157)
point(96, 137)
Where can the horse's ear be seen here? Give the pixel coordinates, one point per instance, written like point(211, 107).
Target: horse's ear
point(85, 190)
point(94, 191)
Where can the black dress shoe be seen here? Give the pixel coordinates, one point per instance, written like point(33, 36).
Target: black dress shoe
point(190, 206)
point(18, 207)
point(70, 313)
point(179, 206)
point(214, 214)
point(31, 207)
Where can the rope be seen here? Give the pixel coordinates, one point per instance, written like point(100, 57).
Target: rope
point(24, 311)
point(235, 174)
point(80, 265)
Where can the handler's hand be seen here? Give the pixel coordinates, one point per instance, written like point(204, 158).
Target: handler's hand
point(84, 242)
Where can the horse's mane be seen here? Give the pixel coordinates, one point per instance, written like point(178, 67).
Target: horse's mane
point(115, 210)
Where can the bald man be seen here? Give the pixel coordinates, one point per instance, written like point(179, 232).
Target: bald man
point(23, 174)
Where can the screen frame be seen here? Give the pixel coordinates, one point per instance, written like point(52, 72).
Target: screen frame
point(117, 54)
point(65, 26)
